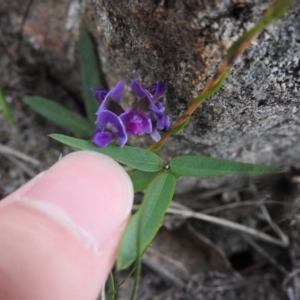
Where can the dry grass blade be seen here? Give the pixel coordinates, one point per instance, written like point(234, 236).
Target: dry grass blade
point(251, 231)
point(276, 229)
point(5, 150)
point(239, 204)
point(291, 284)
point(24, 167)
point(266, 255)
point(163, 272)
point(177, 263)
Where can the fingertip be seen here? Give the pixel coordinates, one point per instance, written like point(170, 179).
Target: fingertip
point(85, 195)
point(91, 187)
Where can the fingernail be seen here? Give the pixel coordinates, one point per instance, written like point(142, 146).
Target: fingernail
point(91, 188)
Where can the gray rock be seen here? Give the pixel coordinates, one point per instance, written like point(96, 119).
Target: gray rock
point(255, 115)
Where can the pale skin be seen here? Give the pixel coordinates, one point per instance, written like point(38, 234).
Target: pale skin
point(60, 232)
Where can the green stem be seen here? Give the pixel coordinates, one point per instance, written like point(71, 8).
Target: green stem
point(112, 284)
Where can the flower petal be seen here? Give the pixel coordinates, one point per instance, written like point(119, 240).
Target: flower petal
point(159, 121)
point(163, 121)
point(102, 138)
point(161, 108)
point(143, 93)
point(155, 135)
point(138, 89)
point(114, 94)
point(111, 122)
point(117, 92)
point(136, 122)
point(158, 90)
point(100, 94)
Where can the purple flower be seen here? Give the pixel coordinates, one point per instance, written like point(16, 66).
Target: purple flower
point(156, 109)
point(102, 138)
point(110, 127)
point(100, 94)
point(146, 117)
point(114, 95)
point(144, 94)
point(136, 122)
point(158, 90)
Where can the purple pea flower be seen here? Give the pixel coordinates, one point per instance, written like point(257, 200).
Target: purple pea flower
point(156, 109)
point(100, 94)
point(158, 90)
point(145, 118)
point(136, 122)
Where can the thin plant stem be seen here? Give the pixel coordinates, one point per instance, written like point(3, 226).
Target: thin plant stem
point(137, 276)
point(138, 262)
point(112, 286)
point(123, 281)
point(6, 110)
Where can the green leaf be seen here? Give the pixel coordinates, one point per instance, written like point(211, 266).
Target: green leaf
point(60, 116)
point(90, 74)
point(6, 110)
point(202, 166)
point(137, 158)
point(141, 179)
point(147, 220)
